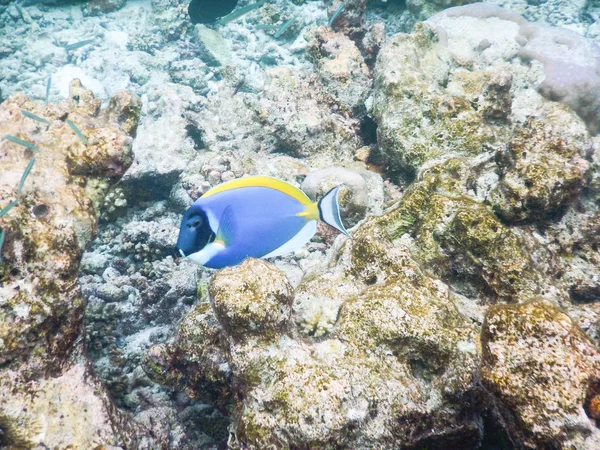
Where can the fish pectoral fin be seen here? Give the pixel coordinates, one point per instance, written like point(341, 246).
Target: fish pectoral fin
point(227, 228)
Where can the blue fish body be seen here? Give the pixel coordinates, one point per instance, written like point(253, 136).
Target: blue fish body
point(252, 217)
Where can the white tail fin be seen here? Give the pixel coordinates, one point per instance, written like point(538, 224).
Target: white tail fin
point(329, 210)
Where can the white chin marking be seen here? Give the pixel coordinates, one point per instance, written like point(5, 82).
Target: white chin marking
point(206, 254)
point(181, 253)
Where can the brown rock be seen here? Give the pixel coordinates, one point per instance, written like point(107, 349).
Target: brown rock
point(540, 364)
point(47, 397)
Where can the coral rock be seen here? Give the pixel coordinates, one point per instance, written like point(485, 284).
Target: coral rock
point(419, 117)
point(342, 70)
point(541, 171)
point(396, 343)
point(540, 364)
point(254, 298)
point(300, 117)
point(41, 306)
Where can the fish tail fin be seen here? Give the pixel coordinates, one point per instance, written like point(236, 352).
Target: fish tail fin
point(329, 210)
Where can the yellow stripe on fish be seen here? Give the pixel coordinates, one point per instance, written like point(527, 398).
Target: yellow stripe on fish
point(262, 181)
point(311, 212)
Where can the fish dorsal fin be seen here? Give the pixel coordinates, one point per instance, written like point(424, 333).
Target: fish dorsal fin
point(261, 181)
point(227, 228)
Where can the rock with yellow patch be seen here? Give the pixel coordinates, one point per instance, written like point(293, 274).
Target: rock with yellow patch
point(383, 370)
point(420, 116)
point(542, 170)
point(55, 217)
point(255, 299)
point(541, 365)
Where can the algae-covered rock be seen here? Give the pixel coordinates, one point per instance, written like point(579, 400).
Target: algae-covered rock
point(542, 169)
point(419, 117)
point(71, 410)
point(455, 236)
point(342, 69)
point(297, 110)
point(71, 165)
point(483, 246)
point(254, 298)
point(398, 360)
point(54, 219)
point(541, 365)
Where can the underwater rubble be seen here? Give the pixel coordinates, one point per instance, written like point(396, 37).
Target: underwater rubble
point(463, 313)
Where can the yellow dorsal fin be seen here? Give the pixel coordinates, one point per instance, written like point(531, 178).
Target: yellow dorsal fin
point(268, 182)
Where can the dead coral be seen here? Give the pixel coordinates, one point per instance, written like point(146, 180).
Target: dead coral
point(41, 306)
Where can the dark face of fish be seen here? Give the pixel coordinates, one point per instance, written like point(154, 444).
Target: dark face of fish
point(208, 11)
point(195, 232)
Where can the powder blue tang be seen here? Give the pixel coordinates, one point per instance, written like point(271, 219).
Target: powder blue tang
point(259, 217)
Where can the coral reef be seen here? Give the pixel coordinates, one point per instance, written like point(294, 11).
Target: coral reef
point(55, 218)
point(399, 311)
point(363, 385)
point(469, 168)
point(540, 172)
point(409, 95)
point(341, 68)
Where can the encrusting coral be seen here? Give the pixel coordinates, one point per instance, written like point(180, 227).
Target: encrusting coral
point(291, 391)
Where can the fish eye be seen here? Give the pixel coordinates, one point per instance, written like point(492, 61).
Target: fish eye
point(196, 223)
